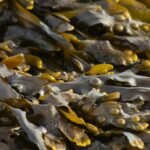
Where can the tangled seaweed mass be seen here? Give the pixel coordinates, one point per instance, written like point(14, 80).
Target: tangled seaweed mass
point(74, 74)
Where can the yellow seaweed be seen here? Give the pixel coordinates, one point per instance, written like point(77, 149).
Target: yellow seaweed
point(137, 9)
point(48, 77)
point(100, 69)
point(14, 61)
point(34, 61)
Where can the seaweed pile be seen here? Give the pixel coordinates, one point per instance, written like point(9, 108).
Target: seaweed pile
point(74, 74)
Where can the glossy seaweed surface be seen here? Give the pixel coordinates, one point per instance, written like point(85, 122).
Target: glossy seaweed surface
point(74, 74)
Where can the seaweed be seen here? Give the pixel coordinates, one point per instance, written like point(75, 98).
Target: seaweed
point(74, 74)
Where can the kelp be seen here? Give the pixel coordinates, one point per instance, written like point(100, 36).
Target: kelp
point(103, 51)
point(134, 7)
point(74, 74)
